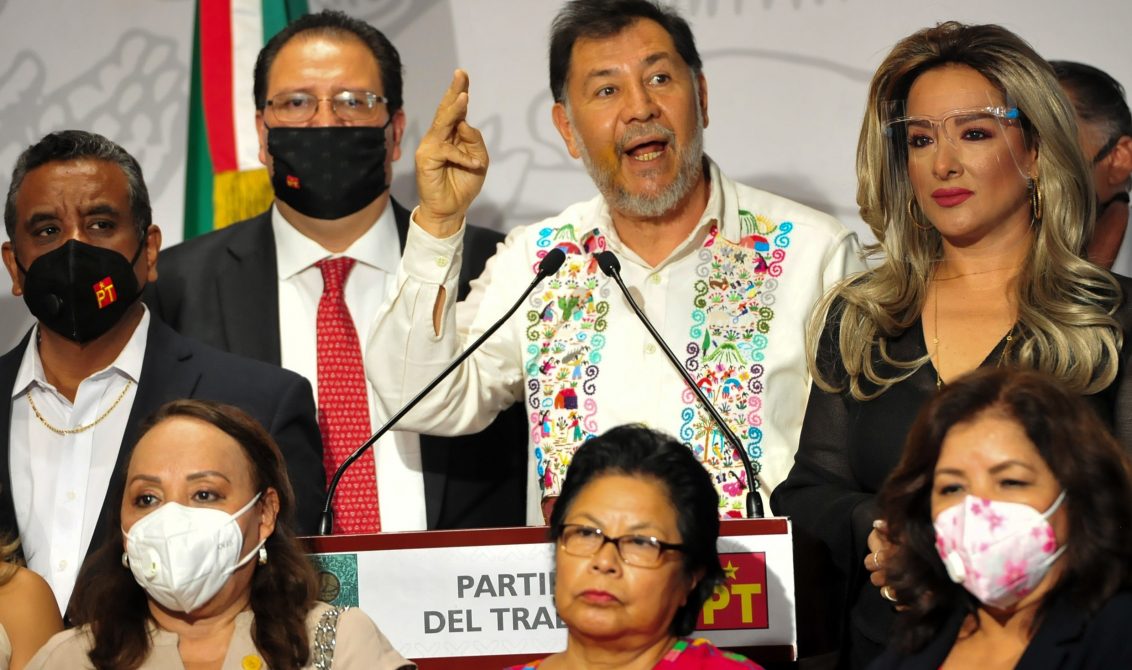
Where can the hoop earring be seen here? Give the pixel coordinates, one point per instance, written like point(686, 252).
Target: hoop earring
point(1035, 199)
point(915, 219)
point(263, 555)
point(125, 560)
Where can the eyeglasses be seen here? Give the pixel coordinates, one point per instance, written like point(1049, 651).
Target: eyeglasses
point(642, 551)
point(349, 106)
point(961, 127)
point(1105, 150)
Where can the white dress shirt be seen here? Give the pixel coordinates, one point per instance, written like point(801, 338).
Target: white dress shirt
point(400, 481)
point(59, 486)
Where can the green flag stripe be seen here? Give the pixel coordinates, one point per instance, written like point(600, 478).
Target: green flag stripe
point(278, 13)
point(199, 215)
point(198, 169)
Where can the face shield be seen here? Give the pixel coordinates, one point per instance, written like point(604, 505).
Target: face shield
point(956, 150)
point(974, 135)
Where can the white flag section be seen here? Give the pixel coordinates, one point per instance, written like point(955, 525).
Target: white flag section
point(475, 599)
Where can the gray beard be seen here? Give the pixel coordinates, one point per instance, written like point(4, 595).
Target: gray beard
point(655, 205)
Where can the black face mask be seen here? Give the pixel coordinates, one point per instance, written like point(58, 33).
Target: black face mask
point(81, 291)
point(330, 172)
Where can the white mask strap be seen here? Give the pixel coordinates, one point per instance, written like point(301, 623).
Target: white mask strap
point(247, 557)
point(240, 512)
point(1053, 508)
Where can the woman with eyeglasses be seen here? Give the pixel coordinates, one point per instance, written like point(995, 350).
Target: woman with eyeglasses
point(1008, 515)
point(635, 529)
point(970, 176)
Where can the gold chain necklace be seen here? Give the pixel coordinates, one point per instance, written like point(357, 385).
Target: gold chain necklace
point(80, 429)
point(935, 341)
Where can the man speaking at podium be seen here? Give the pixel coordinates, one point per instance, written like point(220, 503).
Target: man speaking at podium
point(728, 273)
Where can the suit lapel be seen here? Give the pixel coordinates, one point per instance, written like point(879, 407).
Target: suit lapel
point(9, 366)
point(167, 374)
point(247, 291)
point(401, 218)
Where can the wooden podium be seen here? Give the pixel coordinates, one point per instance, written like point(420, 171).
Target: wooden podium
point(474, 599)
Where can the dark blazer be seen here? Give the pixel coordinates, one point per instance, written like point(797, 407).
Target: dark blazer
point(1066, 640)
point(176, 367)
point(221, 288)
point(847, 449)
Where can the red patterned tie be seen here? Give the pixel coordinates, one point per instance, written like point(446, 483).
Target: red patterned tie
point(343, 409)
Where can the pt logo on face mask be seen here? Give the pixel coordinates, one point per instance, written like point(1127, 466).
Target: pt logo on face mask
point(104, 292)
point(81, 291)
point(292, 181)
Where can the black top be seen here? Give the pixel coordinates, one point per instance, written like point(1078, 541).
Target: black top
point(848, 448)
point(1067, 639)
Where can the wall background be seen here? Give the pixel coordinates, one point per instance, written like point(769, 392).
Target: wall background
point(786, 87)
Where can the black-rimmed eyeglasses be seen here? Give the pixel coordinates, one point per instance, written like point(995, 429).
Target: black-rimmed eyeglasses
point(1106, 149)
point(643, 551)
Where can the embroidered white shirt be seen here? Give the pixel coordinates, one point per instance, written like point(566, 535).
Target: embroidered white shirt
point(400, 481)
point(732, 301)
point(59, 482)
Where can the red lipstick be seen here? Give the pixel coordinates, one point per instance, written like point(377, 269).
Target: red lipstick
point(951, 197)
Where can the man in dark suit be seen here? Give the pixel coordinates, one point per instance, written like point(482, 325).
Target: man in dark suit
point(81, 247)
point(259, 288)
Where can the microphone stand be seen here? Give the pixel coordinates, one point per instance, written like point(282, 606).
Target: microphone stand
point(549, 265)
point(609, 264)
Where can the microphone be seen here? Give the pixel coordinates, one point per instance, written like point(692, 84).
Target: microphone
point(548, 266)
point(609, 264)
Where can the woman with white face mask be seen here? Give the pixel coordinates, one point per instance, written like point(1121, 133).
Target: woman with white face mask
point(1008, 516)
point(207, 573)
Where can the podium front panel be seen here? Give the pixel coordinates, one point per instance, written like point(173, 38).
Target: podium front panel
point(485, 598)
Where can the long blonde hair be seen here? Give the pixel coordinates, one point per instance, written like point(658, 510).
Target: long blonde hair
point(1065, 304)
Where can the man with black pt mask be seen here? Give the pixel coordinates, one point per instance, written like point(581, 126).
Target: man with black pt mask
point(299, 284)
point(81, 249)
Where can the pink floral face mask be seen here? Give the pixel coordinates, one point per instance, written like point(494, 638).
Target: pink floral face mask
point(999, 551)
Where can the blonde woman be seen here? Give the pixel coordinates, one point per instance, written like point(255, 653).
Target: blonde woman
point(28, 613)
point(971, 179)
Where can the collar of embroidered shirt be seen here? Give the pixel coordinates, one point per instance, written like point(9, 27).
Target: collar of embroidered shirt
point(713, 213)
point(128, 363)
point(379, 247)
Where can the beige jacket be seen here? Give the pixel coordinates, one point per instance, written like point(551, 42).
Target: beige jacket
point(359, 644)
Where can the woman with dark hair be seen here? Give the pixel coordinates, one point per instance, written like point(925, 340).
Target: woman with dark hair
point(1008, 516)
point(970, 176)
point(1105, 125)
point(636, 528)
point(211, 575)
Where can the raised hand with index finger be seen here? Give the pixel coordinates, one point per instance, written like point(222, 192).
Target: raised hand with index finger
point(451, 163)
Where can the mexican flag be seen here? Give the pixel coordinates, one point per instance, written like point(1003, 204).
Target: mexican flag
point(224, 180)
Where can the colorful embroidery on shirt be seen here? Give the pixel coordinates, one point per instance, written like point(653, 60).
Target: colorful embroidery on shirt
point(566, 335)
point(731, 319)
